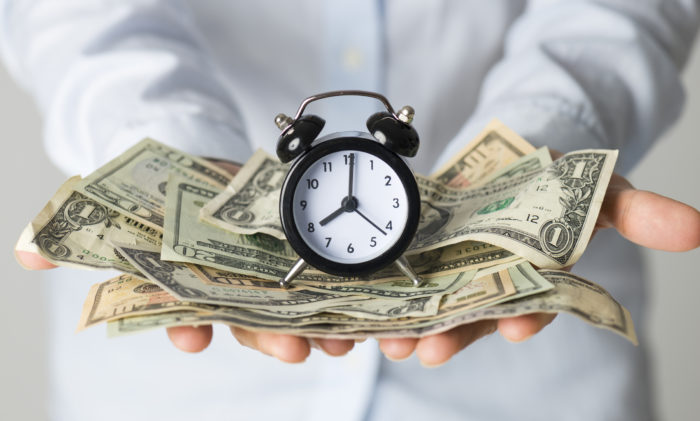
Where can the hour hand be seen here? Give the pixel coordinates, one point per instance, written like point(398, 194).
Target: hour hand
point(332, 216)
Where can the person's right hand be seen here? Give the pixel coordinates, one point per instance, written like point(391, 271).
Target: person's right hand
point(287, 348)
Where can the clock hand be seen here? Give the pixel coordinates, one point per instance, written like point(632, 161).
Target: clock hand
point(332, 216)
point(350, 177)
point(348, 204)
point(367, 219)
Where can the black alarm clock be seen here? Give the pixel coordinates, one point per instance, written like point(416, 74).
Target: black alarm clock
point(349, 205)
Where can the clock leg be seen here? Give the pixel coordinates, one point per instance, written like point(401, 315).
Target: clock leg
point(405, 268)
point(294, 271)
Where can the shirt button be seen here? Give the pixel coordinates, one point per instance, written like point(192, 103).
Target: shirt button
point(353, 59)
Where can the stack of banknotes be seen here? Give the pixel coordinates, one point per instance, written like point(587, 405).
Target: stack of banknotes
point(196, 245)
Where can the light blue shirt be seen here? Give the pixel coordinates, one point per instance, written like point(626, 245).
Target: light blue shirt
point(209, 77)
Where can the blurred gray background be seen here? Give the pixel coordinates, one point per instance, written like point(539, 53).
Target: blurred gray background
point(30, 179)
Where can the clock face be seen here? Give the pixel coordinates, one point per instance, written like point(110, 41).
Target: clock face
point(350, 206)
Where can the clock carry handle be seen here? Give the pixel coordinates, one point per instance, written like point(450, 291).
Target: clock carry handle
point(391, 129)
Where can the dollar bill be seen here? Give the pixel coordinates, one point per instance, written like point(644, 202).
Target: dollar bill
point(480, 292)
point(494, 148)
point(250, 203)
point(187, 239)
point(76, 231)
point(128, 295)
point(349, 313)
point(570, 294)
point(383, 309)
point(483, 291)
point(526, 164)
point(134, 182)
point(546, 216)
point(403, 289)
point(213, 276)
point(526, 281)
point(179, 280)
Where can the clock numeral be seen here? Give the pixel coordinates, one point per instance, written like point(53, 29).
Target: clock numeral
point(347, 159)
point(328, 241)
point(311, 183)
point(373, 241)
point(303, 204)
point(396, 203)
point(350, 248)
point(311, 228)
point(388, 180)
point(389, 226)
point(327, 167)
point(371, 164)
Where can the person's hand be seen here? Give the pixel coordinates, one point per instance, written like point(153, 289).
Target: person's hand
point(643, 217)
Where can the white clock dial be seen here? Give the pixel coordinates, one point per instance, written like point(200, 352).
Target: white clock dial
point(350, 206)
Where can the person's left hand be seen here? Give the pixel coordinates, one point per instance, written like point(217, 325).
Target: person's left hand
point(643, 217)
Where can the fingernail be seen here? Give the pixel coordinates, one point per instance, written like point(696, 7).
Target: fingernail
point(523, 339)
point(426, 365)
point(397, 359)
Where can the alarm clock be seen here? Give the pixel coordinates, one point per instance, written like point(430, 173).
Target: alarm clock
point(349, 205)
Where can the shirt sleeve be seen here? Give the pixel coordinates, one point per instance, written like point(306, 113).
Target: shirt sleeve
point(106, 74)
point(589, 74)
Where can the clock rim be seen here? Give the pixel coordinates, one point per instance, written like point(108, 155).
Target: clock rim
point(362, 142)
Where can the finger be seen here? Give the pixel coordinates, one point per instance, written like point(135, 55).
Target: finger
point(437, 349)
point(521, 328)
point(649, 219)
point(190, 338)
point(333, 347)
point(397, 349)
point(287, 348)
point(32, 261)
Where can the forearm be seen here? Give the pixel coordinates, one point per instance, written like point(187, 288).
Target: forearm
point(106, 75)
point(590, 74)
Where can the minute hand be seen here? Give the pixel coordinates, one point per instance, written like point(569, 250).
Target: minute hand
point(368, 220)
point(350, 177)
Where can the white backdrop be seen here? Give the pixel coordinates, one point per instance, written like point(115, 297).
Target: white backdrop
point(30, 180)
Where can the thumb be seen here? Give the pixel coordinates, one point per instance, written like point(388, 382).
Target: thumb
point(649, 219)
